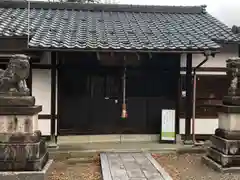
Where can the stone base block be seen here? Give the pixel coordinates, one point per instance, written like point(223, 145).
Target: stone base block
point(20, 137)
point(18, 123)
point(17, 100)
point(228, 147)
point(20, 110)
point(217, 167)
point(222, 159)
point(28, 175)
point(226, 134)
point(27, 165)
point(229, 121)
point(29, 151)
point(231, 100)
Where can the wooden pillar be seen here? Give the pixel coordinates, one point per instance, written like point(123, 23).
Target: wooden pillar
point(178, 100)
point(53, 94)
point(29, 79)
point(178, 97)
point(238, 50)
point(188, 103)
point(58, 92)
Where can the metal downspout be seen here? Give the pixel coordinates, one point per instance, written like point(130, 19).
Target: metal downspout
point(194, 97)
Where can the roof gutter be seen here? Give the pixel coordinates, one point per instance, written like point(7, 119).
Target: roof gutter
point(201, 63)
point(121, 50)
point(206, 54)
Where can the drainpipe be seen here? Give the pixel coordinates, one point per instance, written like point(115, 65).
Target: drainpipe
point(206, 54)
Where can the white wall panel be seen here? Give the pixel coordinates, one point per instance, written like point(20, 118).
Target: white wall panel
point(41, 89)
point(202, 126)
point(219, 60)
point(206, 73)
point(44, 125)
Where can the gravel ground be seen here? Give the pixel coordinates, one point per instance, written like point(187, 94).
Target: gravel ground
point(190, 167)
point(62, 170)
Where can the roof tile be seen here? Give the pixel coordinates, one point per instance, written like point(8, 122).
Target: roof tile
point(83, 29)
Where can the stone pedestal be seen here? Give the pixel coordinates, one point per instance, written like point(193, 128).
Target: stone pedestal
point(225, 143)
point(21, 146)
point(224, 153)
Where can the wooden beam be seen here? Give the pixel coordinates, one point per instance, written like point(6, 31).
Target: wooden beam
point(13, 44)
point(58, 93)
point(178, 99)
point(238, 50)
point(208, 69)
point(29, 80)
point(53, 93)
point(34, 56)
point(188, 104)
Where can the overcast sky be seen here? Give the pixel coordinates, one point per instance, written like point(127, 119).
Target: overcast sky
point(228, 11)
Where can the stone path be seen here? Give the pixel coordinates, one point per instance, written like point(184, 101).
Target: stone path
point(131, 166)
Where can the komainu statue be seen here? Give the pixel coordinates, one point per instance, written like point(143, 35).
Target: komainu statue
point(13, 78)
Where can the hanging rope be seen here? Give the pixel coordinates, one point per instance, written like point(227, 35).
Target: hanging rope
point(124, 105)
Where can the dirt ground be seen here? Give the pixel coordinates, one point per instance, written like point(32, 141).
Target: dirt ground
point(62, 170)
point(190, 167)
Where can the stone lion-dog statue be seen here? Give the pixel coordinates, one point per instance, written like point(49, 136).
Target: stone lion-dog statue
point(13, 78)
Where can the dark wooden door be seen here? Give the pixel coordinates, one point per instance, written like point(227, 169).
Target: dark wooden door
point(148, 92)
point(89, 99)
point(151, 87)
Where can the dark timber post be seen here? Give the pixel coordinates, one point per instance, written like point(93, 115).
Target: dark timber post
point(29, 79)
point(188, 103)
point(178, 103)
point(238, 50)
point(53, 94)
point(58, 89)
point(177, 124)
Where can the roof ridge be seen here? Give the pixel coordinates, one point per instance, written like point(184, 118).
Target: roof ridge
point(104, 7)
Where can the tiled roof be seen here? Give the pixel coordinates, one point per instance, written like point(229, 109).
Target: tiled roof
point(101, 26)
point(236, 29)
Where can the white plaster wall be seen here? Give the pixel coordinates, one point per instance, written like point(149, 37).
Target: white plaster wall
point(206, 73)
point(202, 126)
point(41, 89)
point(219, 60)
point(44, 125)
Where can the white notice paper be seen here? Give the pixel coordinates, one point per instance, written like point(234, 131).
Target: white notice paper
point(168, 125)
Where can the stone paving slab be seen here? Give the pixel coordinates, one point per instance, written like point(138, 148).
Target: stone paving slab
point(131, 166)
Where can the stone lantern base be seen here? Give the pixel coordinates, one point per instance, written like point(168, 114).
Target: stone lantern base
point(224, 151)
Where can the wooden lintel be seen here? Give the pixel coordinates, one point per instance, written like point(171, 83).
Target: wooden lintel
point(13, 44)
point(34, 56)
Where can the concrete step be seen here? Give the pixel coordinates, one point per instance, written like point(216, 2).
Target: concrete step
point(88, 150)
point(66, 155)
point(117, 138)
point(80, 160)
